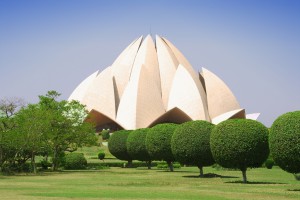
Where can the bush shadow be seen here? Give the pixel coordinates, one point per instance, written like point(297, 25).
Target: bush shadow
point(256, 182)
point(179, 171)
point(209, 175)
point(293, 190)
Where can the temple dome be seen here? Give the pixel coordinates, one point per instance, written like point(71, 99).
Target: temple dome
point(151, 83)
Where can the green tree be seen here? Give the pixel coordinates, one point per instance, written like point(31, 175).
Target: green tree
point(158, 143)
point(240, 143)
point(285, 141)
point(136, 145)
point(67, 130)
point(50, 127)
point(117, 145)
point(191, 144)
point(8, 141)
point(32, 125)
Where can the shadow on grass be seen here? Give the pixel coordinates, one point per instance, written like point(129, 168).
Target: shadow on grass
point(175, 171)
point(293, 190)
point(256, 182)
point(210, 175)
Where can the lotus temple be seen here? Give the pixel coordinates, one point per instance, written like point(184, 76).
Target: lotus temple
point(151, 82)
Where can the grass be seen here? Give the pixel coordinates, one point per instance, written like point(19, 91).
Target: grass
point(140, 183)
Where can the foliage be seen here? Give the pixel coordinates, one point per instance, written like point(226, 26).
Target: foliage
point(105, 134)
point(67, 130)
point(269, 163)
point(101, 155)
point(48, 128)
point(117, 145)
point(240, 143)
point(191, 143)
point(285, 141)
point(297, 177)
point(158, 141)
point(164, 165)
point(45, 164)
point(136, 145)
point(75, 161)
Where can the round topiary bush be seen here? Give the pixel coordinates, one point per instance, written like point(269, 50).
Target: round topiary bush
point(75, 161)
point(158, 142)
point(105, 134)
point(117, 145)
point(191, 144)
point(285, 141)
point(240, 143)
point(101, 155)
point(136, 145)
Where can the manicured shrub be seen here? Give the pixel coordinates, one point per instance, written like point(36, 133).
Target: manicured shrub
point(297, 177)
point(136, 145)
point(158, 143)
point(191, 144)
point(117, 145)
point(101, 155)
point(285, 141)
point(45, 164)
point(240, 143)
point(105, 134)
point(164, 165)
point(75, 161)
point(269, 163)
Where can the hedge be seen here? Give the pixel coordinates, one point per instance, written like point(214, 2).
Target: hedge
point(75, 161)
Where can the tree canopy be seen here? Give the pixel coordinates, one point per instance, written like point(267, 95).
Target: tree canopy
point(240, 143)
point(48, 128)
point(191, 144)
point(285, 141)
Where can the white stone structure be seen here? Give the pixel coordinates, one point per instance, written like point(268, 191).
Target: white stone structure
point(151, 83)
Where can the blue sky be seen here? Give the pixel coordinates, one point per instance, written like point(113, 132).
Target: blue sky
point(254, 46)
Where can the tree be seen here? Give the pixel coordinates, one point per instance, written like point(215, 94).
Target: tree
point(136, 145)
point(8, 141)
point(285, 141)
point(50, 127)
point(32, 126)
point(67, 130)
point(158, 143)
point(240, 143)
point(9, 106)
point(117, 145)
point(191, 144)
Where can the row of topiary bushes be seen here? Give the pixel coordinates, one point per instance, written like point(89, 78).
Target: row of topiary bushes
point(235, 143)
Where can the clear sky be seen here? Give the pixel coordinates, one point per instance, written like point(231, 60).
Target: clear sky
point(254, 46)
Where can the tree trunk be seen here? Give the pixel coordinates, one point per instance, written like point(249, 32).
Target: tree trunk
point(201, 171)
point(170, 164)
point(244, 176)
point(53, 168)
point(33, 164)
point(129, 164)
point(149, 164)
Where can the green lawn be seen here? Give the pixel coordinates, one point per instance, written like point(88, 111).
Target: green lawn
point(140, 183)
